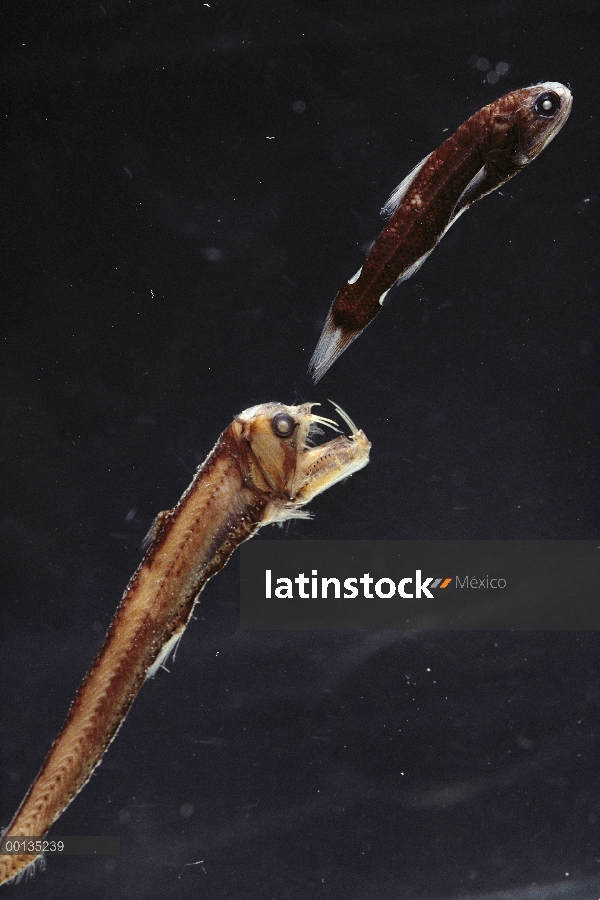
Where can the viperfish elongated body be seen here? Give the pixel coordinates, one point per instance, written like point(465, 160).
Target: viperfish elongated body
point(488, 149)
point(262, 469)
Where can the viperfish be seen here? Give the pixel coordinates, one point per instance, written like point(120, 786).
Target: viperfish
point(264, 468)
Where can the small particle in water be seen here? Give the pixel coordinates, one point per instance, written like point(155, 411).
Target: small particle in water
point(482, 64)
point(299, 106)
point(212, 254)
point(198, 862)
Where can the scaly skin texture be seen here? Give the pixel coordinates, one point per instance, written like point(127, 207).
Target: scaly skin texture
point(253, 476)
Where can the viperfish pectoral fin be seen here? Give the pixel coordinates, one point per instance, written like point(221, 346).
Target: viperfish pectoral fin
point(170, 646)
point(399, 193)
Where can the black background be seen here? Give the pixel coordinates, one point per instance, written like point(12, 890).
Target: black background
point(175, 228)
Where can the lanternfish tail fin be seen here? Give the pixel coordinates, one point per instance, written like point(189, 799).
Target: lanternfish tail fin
point(332, 343)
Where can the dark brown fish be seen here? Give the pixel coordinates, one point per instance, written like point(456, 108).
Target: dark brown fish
point(262, 469)
point(487, 150)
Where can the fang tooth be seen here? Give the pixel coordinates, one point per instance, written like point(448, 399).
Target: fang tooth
point(324, 421)
point(345, 417)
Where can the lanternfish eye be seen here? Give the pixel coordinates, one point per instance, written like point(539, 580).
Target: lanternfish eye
point(283, 425)
point(547, 105)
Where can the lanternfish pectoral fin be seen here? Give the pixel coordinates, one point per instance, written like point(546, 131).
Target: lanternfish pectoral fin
point(472, 192)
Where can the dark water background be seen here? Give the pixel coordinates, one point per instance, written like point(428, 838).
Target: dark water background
point(185, 187)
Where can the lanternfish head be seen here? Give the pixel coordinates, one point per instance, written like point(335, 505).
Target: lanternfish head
point(533, 116)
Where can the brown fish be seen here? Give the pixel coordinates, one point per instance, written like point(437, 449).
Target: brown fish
point(262, 469)
point(487, 150)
